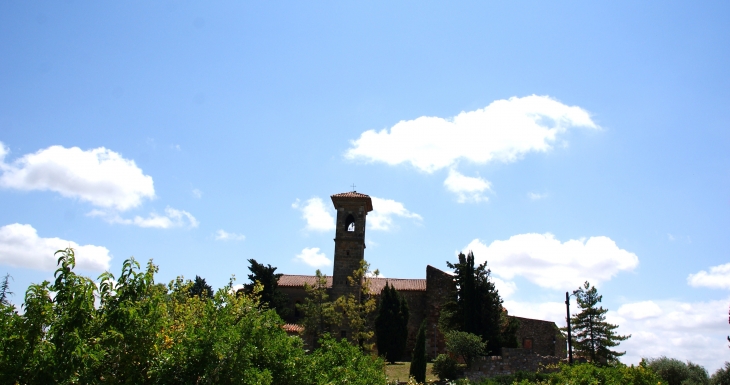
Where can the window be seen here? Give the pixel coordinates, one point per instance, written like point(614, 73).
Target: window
point(350, 223)
point(527, 343)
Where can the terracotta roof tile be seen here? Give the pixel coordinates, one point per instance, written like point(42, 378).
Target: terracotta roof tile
point(292, 328)
point(376, 284)
point(351, 194)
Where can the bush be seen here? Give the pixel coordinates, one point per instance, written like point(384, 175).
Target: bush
point(465, 345)
point(445, 367)
point(721, 376)
point(676, 372)
point(418, 360)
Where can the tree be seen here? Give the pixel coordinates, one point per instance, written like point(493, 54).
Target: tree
point(468, 346)
point(270, 295)
point(357, 308)
point(478, 306)
point(593, 335)
point(418, 359)
point(676, 372)
point(5, 290)
point(721, 376)
point(391, 324)
point(320, 315)
point(200, 288)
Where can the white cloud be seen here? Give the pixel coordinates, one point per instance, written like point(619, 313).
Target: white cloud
point(694, 331)
point(504, 131)
point(467, 188)
point(718, 277)
point(21, 246)
point(505, 288)
point(547, 262)
point(312, 257)
point(381, 218)
point(172, 218)
point(99, 176)
point(640, 310)
point(222, 235)
point(536, 196)
point(197, 193)
point(317, 216)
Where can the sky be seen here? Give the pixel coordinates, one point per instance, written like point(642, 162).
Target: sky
point(561, 142)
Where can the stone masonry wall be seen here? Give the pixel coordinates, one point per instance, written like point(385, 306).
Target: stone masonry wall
point(440, 289)
point(511, 361)
point(546, 338)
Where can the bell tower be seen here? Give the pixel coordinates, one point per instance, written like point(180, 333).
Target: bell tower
point(352, 209)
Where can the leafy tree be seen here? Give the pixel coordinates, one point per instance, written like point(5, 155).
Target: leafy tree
point(391, 324)
point(358, 308)
point(5, 290)
point(465, 345)
point(418, 360)
point(593, 335)
point(270, 295)
point(478, 307)
point(721, 376)
point(339, 362)
point(320, 315)
point(676, 372)
point(200, 288)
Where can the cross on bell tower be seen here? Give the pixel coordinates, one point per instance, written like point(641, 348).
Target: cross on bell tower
point(352, 210)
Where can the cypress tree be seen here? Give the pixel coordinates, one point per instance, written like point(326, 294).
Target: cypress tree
point(391, 324)
point(418, 362)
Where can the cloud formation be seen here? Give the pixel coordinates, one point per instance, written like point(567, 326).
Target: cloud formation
point(313, 257)
point(717, 278)
point(317, 216)
point(503, 131)
point(21, 246)
point(99, 176)
point(547, 262)
point(172, 218)
point(222, 235)
point(684, 330)
point(381, 218)
point(467, 188)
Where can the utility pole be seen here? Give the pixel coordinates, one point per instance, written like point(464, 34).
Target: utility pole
point(570, 338)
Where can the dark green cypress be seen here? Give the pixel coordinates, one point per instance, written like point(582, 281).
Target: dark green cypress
point(391, 324)
point(418, 362)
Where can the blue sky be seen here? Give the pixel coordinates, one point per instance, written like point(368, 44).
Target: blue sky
point(561, 142)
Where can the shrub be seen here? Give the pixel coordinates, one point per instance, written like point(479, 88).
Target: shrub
point(676, 372)
point(445, 367)
point(418, 362)
point(465, 345)
point(721, 376)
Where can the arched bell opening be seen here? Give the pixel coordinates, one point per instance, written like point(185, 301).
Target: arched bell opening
point(350, 223)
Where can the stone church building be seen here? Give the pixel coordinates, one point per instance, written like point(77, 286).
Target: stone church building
point(425, 296)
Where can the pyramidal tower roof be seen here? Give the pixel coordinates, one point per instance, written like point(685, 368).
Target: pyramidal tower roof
point(353, 196)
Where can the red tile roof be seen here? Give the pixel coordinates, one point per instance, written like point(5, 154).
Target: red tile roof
point(376, 284)
point(353, 196)
point(292, 328)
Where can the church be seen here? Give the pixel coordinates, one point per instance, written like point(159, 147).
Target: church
point(425, 297)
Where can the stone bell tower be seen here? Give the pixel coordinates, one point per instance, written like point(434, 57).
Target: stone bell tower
point(352, 209)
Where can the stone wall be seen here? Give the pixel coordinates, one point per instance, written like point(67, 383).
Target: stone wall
point(416, 311)
point(511, 361)
point(440, 289)
point(544, 336)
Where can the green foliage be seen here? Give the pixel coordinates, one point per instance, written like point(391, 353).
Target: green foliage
point(465, 345)
point(141, 332)
point(5, 290)
point(200, 288)
point(270, 295)
point(721, 376)
point(339, 362)
point(478, 307)
point(320, 315)
point(592, 335)
point(583, 374)
point(391, 324)
point(445, 367)
point(418, 360)
point(676, 372)
point(358, 308)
